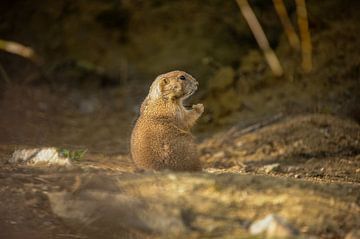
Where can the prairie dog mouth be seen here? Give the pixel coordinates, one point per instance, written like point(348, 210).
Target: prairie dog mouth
point(192, 91)
point(189, 94)
point(184, 102)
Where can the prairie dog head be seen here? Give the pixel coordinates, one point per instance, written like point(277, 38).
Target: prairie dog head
point(172, 86)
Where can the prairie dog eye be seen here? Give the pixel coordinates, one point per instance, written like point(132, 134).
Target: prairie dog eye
point(182, 78)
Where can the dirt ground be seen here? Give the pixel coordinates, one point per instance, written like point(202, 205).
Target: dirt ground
point(302, 167)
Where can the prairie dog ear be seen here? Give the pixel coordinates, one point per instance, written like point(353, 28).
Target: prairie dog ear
point(157, 87)
point(163, 81)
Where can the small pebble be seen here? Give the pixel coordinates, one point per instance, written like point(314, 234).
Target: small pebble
point(270, 167)
point(274, 227)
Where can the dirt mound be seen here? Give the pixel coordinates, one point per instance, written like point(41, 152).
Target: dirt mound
point(316, 146)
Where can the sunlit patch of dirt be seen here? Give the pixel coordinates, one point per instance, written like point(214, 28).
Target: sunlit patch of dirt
point(320, 147)
point(198, 205)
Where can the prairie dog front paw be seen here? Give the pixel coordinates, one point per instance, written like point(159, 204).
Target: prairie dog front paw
point(199, 108)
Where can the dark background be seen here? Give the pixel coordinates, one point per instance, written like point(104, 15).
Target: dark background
point(99, 58)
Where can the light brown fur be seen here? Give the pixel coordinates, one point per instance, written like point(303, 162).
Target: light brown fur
point(161, 138)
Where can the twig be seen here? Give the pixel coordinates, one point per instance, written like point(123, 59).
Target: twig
point(235, 131)
point(260, 125)
point(306, 47)
point(19, 49)
point(260, 37)
point(286, 23)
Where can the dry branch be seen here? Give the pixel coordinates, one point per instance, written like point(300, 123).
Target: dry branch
point(239, 130)
point(260, 37)
point(306, 47)
point(18, 49)
point(286, 23)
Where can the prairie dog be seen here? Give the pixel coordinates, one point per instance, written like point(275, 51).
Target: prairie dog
point(161, 138)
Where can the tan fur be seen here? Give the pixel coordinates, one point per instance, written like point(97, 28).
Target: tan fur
point(161, 138)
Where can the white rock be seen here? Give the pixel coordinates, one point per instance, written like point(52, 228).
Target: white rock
point(273, 226)
point(48, 156)
point(270, 167)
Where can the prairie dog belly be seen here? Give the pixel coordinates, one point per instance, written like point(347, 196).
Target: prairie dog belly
point(164, 147)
